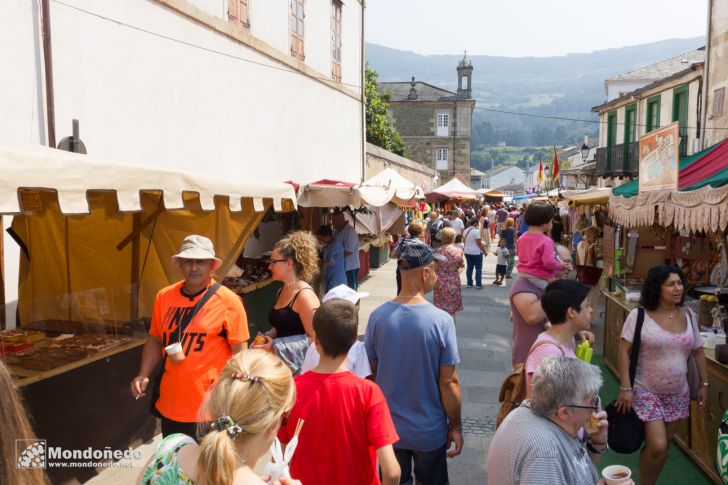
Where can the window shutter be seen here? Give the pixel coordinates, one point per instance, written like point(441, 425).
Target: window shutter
point(718, 101)
point(233, 7)
point(243, 11)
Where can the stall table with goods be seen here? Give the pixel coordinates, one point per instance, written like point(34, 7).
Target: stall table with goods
point(687, 228)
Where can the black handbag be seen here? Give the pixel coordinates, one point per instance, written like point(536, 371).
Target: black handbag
point(174, 338)
point(626, 430)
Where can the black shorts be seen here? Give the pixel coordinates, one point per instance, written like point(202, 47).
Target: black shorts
point(500, 269)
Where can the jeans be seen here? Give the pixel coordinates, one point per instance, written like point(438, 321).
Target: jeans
point(430, 466)
point(474, 261)
point(351, 278)
point(511, 261)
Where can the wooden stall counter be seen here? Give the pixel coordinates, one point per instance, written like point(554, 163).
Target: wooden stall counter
point(698, 436)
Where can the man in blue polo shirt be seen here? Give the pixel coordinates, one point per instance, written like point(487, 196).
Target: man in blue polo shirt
point(412, 348)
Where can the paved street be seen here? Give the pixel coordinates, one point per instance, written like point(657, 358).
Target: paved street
point(484, 333)
point(484, 341)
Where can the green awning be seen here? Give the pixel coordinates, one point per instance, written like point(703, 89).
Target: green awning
point(631, 188)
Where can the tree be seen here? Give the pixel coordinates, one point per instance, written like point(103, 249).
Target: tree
point(380, 129)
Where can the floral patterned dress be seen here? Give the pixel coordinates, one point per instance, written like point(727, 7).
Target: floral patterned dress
point(164, 468)
point(448, 295)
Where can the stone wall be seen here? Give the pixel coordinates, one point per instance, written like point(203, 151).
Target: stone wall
point(378, 159)
point(416, 123)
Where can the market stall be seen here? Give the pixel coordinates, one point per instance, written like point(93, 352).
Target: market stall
point(454, 189)
point(96, 240)
point(685, 227)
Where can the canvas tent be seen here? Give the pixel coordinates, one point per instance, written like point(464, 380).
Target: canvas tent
point(699, 204)
point(453, 189)
point(96, 237)
point(335, 193)
point(405, 192)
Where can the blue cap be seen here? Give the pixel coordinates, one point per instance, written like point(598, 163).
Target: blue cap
point(416, 254)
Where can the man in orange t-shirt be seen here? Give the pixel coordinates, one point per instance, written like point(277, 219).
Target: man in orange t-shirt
point(217, 331)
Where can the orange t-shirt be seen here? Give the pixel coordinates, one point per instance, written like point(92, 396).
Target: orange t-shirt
point(206, 342)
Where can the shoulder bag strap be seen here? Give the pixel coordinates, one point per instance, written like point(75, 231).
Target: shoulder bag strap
point(544, 342)
point(636, 341)
point(174, 337)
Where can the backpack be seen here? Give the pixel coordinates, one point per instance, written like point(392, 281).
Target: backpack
point(513, 389)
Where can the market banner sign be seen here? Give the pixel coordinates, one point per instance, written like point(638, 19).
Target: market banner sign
point(659, 159)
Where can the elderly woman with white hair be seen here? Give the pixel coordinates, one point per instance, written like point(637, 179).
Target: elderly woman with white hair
point(539, 443)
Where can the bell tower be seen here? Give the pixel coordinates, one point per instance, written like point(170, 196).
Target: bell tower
point(465, 72)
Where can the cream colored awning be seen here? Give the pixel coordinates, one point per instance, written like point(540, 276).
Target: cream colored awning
point(72, 175)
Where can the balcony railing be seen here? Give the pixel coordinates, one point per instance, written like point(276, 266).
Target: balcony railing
point(618, 160)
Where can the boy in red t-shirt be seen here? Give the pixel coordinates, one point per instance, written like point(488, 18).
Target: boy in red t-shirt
point(347, 425)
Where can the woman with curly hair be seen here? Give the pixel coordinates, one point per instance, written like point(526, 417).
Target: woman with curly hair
point(294, 262)
point(247, 405)
point(660, 393)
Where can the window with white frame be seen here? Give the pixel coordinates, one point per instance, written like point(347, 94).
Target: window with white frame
point(336, 39)
point(443, 122)
point(297, 28)
point(441, 160)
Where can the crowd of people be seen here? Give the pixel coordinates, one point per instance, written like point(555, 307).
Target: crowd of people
point(388, 409)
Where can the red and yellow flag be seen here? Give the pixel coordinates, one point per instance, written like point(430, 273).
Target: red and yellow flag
point(555, 168)
point(541, 176)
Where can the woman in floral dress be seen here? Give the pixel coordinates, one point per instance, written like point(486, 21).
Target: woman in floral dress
point(448, 296)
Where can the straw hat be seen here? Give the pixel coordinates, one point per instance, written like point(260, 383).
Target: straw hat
point(196, 247)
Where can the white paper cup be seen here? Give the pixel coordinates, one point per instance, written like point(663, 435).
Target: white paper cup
point(175, 352)
point(617, 474)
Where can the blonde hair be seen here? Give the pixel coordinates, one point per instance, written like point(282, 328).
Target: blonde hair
point(447, 235)
point(15, 427)
point(509, 223)
point(300, 247)
point(253, 404)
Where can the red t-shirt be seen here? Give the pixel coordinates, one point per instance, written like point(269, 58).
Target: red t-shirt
point(346, 419)
point(206, 342)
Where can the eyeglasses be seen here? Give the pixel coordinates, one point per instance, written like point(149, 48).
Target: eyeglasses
point(273, 261)
point(595, 407)
point(284, 417)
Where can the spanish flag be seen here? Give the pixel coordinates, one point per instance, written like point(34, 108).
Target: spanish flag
point(541, 176)
point(555, 168)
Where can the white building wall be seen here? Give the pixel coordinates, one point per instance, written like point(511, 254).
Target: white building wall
point(222, 107)
point(616, 88)
point(513, 175)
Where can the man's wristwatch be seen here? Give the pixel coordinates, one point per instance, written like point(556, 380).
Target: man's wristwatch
point(595, 450)
point(705, 384)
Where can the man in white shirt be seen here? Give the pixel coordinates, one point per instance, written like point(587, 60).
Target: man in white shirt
point(455, 222)
point(350, 240)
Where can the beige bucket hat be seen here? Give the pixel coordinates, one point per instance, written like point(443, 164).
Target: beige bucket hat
point(196, 247)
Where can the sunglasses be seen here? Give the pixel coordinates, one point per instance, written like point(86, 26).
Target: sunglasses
point(595, 407)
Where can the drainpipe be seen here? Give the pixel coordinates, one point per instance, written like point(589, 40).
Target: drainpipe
point(45, 13)
point(706, 75)
point(363, 100)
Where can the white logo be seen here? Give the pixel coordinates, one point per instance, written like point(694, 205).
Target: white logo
point(30, 453)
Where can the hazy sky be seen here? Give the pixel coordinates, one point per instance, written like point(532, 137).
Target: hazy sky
point(529, 27)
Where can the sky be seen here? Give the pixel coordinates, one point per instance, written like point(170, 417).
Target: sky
point(521, 28)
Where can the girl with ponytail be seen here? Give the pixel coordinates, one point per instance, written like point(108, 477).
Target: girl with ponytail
point(247, 405)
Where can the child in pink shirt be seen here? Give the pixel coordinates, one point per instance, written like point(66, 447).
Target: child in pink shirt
point(537, 258)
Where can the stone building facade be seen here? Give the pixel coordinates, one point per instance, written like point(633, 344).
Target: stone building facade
point(435, 124)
